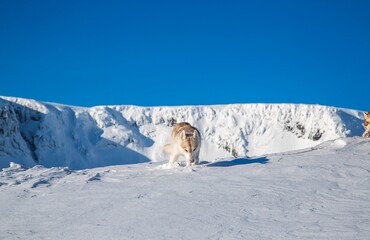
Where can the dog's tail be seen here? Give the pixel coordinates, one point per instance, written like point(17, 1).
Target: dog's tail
point(167, 148)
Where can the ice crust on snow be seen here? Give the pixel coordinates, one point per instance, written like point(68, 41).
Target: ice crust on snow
point(54, 135)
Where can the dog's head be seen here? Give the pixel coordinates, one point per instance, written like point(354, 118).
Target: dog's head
point(189, 144)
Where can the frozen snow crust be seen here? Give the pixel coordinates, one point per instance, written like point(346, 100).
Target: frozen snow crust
point(54, 135)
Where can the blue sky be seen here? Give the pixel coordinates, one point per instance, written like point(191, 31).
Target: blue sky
point(152, 53)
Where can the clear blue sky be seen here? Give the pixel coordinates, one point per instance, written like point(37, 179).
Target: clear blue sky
point(88, 53)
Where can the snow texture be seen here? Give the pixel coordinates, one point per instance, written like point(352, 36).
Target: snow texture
point(267, 171)
point(316, 193)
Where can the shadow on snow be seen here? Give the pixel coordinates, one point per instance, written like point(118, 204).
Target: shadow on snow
point(58, 138)
point(239, 161)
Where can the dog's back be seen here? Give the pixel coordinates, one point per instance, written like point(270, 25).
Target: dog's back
point(183, 126)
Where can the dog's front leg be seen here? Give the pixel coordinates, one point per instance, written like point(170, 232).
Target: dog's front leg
point(196, 158)
point(188, 164)
point(189, 161)
point(173, 158)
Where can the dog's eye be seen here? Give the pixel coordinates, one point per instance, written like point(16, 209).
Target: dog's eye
point(193, 149)
point(185, 149)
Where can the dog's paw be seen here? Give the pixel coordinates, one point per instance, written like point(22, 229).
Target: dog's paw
point(175, 164)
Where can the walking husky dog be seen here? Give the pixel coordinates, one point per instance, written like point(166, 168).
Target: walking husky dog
point(185, 140)
point(367, 125)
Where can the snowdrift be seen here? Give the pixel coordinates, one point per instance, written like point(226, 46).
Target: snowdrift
point(317, 193)
point(38, 133)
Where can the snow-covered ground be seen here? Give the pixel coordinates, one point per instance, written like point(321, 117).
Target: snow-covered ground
point(268, 171)
point(316, 193)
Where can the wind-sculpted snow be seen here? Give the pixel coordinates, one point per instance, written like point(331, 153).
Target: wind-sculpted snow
point(316, 193)
point(36, 133)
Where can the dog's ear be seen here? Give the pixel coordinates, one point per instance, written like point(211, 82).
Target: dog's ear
point(183, 134)
point(365, 115)
point(195, 134)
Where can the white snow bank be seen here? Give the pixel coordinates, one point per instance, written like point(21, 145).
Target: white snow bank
point(36, 133)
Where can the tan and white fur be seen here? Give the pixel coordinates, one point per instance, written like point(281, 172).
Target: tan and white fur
point(367, 125)
point(186, 141)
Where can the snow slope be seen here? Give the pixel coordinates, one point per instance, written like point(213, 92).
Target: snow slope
point(316, 193)
point(37, 133)
point(268, 171)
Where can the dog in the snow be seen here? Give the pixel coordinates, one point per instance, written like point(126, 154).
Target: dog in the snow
point(367, 125)
point(185, 140)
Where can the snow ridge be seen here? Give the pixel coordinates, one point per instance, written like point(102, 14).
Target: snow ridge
point(54, 135)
